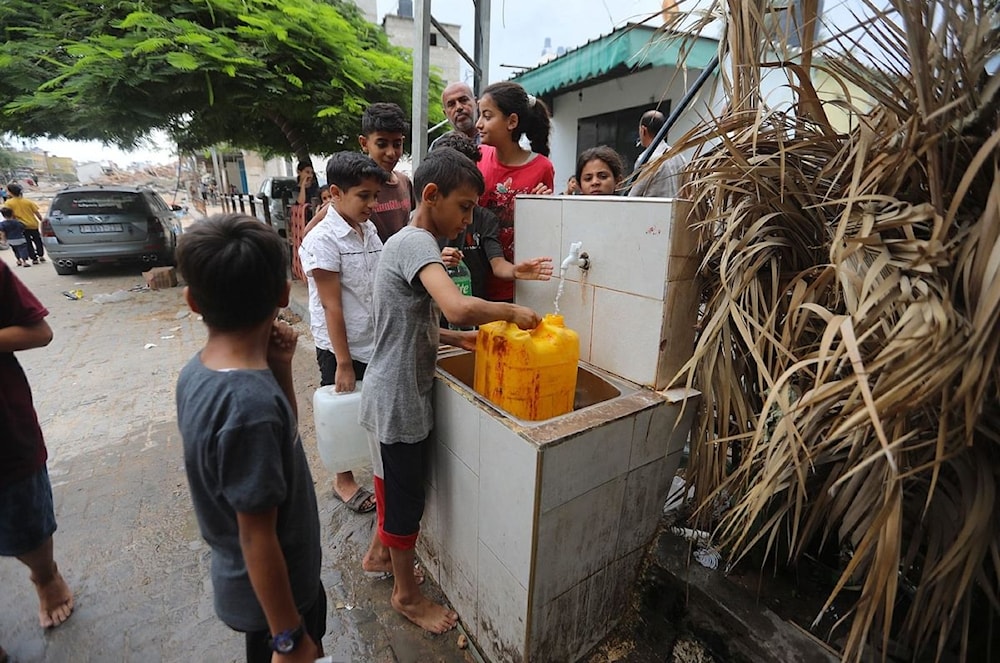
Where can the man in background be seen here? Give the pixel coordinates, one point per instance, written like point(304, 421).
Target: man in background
point(460, 107)
point(664, 181)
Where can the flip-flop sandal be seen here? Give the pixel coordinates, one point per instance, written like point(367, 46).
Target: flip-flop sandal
point(418, 573)
point(357, 503)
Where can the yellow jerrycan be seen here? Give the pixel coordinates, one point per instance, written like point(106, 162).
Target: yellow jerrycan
point(530, 374)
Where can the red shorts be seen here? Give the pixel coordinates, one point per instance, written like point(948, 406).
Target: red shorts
point(399, 470)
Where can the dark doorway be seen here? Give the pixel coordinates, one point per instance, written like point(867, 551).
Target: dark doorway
point(619, 129)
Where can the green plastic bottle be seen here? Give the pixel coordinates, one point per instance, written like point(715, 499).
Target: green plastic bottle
point(462, 277)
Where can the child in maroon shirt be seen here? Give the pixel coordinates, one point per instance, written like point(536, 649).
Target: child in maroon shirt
point(27, 517)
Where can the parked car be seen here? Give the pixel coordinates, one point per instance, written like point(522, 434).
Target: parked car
point(277, 192)
point(89, 224)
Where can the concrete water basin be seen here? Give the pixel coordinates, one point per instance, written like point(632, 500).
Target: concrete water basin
point(593, 385)
point(535, 529)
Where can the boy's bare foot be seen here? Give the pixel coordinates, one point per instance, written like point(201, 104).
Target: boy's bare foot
point(55, 601)
point(377, 561)
point(425, 613)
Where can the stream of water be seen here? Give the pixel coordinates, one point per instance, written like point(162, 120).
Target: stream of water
point(562, 282)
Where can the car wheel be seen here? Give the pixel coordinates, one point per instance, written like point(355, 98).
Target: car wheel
point(64, 270)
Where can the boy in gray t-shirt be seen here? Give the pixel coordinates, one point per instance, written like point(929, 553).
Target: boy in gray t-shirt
point(411, 284)
point(250, 484)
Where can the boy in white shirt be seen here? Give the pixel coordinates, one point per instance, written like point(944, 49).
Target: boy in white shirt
point(339, 257)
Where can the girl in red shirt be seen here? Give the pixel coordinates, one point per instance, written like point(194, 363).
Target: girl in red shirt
point(506, 112)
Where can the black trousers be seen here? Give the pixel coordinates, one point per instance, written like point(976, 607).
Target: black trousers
point(314, 621)
point(328, 367)
point(35, 248)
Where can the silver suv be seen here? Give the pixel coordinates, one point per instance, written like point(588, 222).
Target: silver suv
point(277, 193)
point(89, 224)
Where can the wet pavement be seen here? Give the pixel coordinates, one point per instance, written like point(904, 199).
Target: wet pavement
point(127, 542)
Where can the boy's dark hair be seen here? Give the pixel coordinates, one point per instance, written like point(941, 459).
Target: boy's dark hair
point(460, 143)
point(605, 154)
point(384, 116)
point(532, 113)
point(7, 212)
point(449, 170)
point(348, 169)
point(15, 189)
point(236, 269)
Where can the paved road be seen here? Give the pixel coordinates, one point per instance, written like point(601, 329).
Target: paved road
point(128, 542)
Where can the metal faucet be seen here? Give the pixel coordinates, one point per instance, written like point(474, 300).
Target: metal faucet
point(575, 257)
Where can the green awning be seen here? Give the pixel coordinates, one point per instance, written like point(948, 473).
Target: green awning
point(626, 50)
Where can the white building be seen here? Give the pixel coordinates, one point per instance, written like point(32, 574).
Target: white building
point(597, 92)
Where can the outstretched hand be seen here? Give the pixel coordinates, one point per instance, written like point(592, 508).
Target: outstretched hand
point(535, 269)
point(541, 189)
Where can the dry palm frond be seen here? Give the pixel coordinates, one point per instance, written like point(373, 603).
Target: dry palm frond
point(848, 353)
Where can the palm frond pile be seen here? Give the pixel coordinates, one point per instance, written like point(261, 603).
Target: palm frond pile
point(848, 351)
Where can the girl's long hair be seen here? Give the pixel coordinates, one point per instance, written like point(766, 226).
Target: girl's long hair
point(532, 113)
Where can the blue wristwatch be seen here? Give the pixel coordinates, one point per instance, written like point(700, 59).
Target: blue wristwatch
point(286, 641)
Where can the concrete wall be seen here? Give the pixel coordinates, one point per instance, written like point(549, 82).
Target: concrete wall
point(402, 33)
point(369, 9)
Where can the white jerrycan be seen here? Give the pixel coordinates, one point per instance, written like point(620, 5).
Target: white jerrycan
point(342, 441)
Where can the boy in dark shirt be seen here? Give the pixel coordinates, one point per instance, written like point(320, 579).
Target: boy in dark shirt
point(12, 232)
point(250, 483)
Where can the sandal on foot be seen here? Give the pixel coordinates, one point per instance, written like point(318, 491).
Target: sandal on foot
point(418, 573)
point(362, 502)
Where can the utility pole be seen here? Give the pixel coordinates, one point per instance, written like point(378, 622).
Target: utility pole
point(421, 79)
point(481, 46)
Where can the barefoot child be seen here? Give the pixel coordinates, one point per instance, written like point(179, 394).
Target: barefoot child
point(246, 468)
point(396, 401)
point(27, 518)
point(339, 258)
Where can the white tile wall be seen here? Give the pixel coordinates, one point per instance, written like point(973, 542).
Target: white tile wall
point(463, 591)
point(627, 243)
point(502, 609)
point(565, 628)
point(576, 539)
point(626, 335)
point(456, 424)
point(537, 231)
point(584, 462)
point(650, 444)
point(680, 433)
point(507, 478)
point(457, 512)
point(429, 541)
point(645, 492)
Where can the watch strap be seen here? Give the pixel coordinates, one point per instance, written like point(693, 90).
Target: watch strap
point(286, 641)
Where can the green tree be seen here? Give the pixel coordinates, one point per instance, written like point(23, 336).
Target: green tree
point(270, 75)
